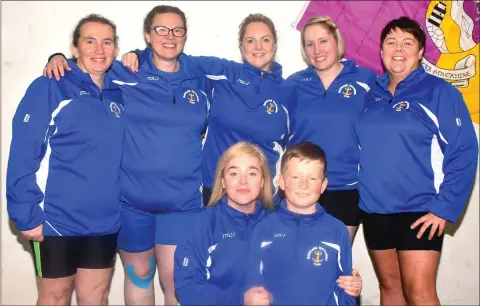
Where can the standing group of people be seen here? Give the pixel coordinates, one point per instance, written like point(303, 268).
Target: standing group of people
point(134, 151)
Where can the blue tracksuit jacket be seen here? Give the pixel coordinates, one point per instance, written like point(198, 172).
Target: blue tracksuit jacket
point(210, 267)
point(298, 258)
point(248, 104)
point(64, 165)
point(326, 118)
point(419, 150)
point(167, 113)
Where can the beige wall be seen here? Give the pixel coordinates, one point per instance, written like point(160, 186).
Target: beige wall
point(33, 30)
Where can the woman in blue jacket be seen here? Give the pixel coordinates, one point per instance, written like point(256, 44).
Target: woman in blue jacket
point(418, 162)
point(331, 95)
point(72, 131)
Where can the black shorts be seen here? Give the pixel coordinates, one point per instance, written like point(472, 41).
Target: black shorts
point(392, 231)
point(206, 193)
point(61, 256)
point(343, 205)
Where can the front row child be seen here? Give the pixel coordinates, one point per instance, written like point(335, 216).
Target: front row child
point(210, 267)
point(297, 254)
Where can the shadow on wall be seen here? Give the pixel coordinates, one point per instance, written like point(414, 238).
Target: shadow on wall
point(451, 228)
point(20, 239)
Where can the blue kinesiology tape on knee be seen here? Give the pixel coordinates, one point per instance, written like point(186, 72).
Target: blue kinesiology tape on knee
point(143, 283)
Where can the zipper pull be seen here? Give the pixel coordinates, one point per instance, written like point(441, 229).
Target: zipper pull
point(101, 95)
point(261, 75)
point(174, 101)
point(246, 217)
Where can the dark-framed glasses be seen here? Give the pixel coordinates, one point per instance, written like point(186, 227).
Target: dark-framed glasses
point(164, 31)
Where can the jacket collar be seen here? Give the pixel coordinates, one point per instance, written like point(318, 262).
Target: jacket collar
point(348, 67)
point(185, 70)
point(414, 77)
point(84, 81)
point(291, 217)
point(275, 74)
point(237, 215)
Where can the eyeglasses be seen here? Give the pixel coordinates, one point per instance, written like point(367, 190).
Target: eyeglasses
point(164, 31)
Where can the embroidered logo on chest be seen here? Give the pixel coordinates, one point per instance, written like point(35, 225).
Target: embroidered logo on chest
point(191, 96)
point(317, 255)
point(115, 109)
point(271, 106)
point(401, 106)
point(347, 90)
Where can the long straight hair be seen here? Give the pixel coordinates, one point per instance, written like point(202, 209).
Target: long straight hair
point(242, 149)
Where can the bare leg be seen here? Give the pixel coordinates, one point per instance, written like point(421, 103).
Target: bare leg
point(352, 231)
point(92, 286)
point(138, 285)
point(165, 262)
point(419, 276)
point(388, 272)
point(55, 291)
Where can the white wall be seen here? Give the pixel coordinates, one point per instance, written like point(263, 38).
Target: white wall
point(33, 30)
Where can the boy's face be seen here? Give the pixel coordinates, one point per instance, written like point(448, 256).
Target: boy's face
point(303, 183)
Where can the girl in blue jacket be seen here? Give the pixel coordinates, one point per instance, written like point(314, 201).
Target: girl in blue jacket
point(210, 266)
point(297, 254)
point(331, 95)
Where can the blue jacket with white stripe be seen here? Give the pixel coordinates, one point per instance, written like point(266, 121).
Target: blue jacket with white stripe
point(248, 104)
point(326, 118)
point(298, 258)
point(419, 150)
point(167, 113)
point(64, 165)
point(210, 266)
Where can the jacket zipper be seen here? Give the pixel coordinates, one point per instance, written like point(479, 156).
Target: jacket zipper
point(297, 235)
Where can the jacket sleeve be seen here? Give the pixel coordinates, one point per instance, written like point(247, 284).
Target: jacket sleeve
point(191, 271)
point(30, 129)
point(216, 68)
point(253, 273)
point(458, 142)
point(344, 268)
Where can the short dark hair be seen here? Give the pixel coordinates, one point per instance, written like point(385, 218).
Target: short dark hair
point(161, 9)
point(304, 151)
point(407, 25)
point(94, 18)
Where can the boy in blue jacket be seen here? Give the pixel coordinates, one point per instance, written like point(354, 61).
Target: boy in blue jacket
point(297, 254)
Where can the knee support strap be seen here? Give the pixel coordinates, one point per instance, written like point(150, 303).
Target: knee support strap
point(143, 283)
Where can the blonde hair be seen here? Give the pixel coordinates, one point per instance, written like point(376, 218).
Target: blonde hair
point(242, 149)
point(331, 27)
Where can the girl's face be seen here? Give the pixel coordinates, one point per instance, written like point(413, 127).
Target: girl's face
point(242, 180)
